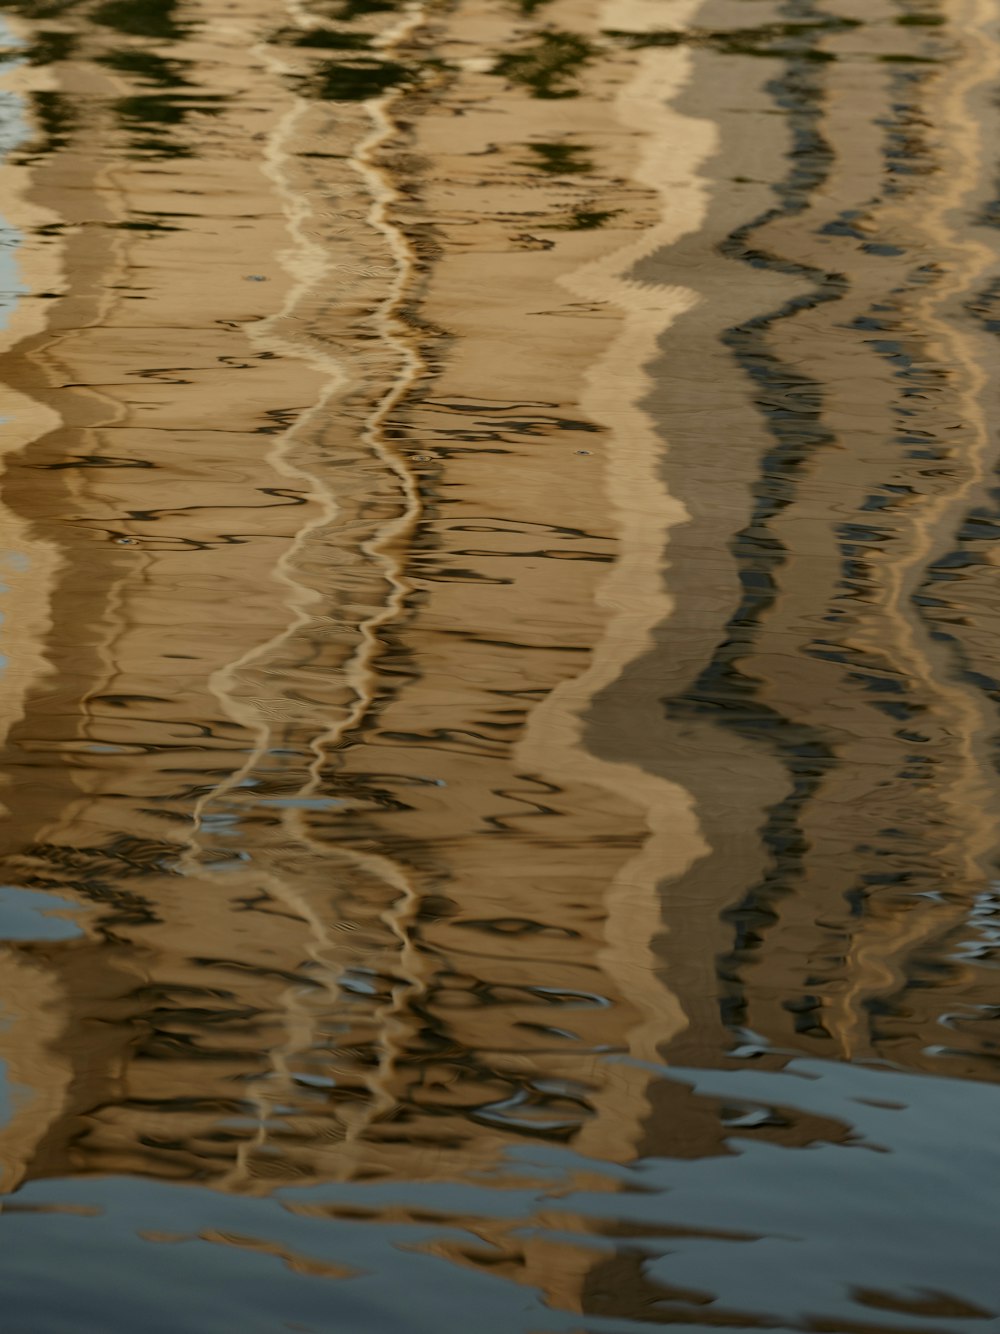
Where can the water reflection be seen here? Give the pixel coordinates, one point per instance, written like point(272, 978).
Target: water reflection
point(811, 1213)
point(498, 509)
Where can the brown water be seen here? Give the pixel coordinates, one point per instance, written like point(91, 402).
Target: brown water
point(500, 638)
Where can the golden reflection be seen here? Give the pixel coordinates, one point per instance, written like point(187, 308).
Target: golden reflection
point(223, 776)
point(633, 592)
point(487, 597)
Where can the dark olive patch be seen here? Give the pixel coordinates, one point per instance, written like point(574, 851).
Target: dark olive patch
point(559, 159)
point(50, 46)
point(141, 18)
point(768, 39)
point(146, 65)
point(352, 9)
point(547, 66)
point(588, 220)
point(354, 81)
point(154, 110)
point(39, 9)
point(56, 117)
point(326, 39)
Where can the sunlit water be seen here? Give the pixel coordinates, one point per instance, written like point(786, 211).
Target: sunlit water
point(499, 644)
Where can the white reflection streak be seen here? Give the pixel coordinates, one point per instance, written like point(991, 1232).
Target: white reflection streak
point(674, 147)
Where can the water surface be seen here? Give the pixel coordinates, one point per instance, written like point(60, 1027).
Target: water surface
point(499, 644)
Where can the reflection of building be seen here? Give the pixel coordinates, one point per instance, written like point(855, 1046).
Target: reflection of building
point(855, 661)
point(26, 565)
point(343, 926)
point(345, 691)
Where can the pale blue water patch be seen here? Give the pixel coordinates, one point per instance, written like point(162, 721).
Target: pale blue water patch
point(302, 803)
point(13, 565)
point(909, 1205)
point(13, 131)
point(984, 920)
point(221, 824)
point(99, 1275)
point(6, 1100)
point(235, 863)
point(770, 1236)
point(27, 914)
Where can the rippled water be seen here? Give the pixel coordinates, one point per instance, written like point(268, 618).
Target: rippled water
point(499, 643)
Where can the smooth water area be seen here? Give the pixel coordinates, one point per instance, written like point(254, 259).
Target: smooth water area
point(498, 666)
